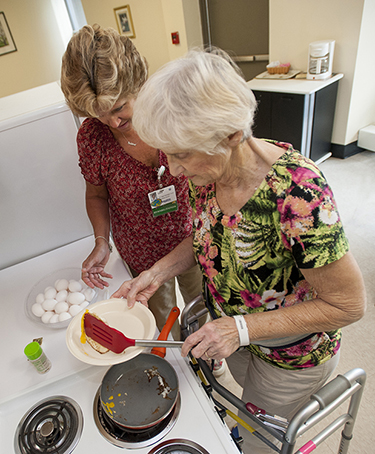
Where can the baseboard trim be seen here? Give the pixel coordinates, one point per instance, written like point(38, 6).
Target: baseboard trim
point(344, 151)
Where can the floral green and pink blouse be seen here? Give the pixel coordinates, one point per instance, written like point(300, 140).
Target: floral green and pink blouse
point(251, 261)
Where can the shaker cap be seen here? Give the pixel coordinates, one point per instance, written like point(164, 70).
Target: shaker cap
point(33, 350)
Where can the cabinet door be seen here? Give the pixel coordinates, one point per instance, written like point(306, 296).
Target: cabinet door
point(287, 118)
point(324, 113)
point(262, 121)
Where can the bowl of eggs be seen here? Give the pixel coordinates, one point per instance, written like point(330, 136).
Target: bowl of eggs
point(58, 297)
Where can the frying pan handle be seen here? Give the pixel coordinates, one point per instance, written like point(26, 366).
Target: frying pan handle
point(172, 317)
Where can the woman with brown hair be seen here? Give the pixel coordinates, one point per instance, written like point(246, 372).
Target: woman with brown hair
point(102, 73)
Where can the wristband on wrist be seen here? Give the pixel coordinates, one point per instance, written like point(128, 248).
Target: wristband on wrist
point(243, 332)
point(109, 244)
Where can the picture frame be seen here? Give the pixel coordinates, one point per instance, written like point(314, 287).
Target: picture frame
point(124, 21)
point(7, 43)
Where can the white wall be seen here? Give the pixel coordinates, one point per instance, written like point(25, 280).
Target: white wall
point(193, 24)
point(296, 23)
point(362, 106)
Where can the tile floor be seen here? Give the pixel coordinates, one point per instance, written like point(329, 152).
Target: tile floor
point(352, 181)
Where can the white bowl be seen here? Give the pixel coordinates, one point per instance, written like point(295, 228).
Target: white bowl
point(49, 281)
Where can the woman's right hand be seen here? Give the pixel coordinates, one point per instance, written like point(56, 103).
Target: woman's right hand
point(179, 260)
point(139, 289)
point(92, 272)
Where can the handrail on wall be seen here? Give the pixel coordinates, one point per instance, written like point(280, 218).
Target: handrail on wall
point(250, 58)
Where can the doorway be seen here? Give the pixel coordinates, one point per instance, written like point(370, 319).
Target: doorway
point(241, 28)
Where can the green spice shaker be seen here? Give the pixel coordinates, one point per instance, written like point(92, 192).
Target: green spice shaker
point(37, 357)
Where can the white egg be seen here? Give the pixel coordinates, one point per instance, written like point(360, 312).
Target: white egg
point(76, 298)
point(75, 309)
point(61, 307)
point(62, 295)
point(64, 316)
point(61, 284)
point(39, 298)
point(46, 317)
point(49, 305)
point(89, 294)
point(54, 318)
point(37, 309)
point(84, 304)
point(75, 286)
point(50, 293)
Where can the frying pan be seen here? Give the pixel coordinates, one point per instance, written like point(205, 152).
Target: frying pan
point(139, 393)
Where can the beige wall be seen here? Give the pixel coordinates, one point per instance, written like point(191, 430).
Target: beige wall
point(40, 44)
point(296, 23)
point(148, 23)
point(154, 21)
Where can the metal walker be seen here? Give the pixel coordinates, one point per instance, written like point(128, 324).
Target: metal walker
point(332, 395)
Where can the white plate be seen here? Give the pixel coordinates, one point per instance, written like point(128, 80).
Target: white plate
point(136, 323)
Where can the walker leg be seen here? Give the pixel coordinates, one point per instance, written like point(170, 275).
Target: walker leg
point(344, 443)
point(347, 433)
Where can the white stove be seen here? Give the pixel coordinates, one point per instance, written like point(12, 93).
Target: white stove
point(22, 387)
point(42, 209)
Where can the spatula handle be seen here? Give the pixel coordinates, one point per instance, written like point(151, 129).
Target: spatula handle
point(157, 343)
point(173, 316)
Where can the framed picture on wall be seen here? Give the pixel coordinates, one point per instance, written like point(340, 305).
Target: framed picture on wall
point(7, 43)
point(124, 21)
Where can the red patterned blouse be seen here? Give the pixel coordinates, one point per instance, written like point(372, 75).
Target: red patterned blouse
point(140, 238)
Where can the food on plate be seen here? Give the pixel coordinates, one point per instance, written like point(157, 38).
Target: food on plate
point(62, 301)
point(85, 338)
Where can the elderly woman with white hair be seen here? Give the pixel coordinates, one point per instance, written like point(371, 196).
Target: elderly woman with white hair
point(277, 269)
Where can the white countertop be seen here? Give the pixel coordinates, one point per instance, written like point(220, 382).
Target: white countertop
point(17, 375)
point(296, 86)
point(22, 387)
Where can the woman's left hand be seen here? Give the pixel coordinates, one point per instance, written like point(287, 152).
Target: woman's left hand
point(215, 340)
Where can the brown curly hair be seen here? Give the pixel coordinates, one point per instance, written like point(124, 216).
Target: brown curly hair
point(99, 67)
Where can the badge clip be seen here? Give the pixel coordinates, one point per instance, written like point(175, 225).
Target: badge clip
point(160, 174)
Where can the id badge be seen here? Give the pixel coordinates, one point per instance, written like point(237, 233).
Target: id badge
point(163, 200)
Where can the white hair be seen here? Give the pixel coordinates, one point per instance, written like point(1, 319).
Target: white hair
point(194, 103)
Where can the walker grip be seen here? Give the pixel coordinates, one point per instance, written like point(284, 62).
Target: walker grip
point(331, 391)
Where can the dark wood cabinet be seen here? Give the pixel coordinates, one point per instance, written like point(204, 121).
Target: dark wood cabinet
point(301, 117)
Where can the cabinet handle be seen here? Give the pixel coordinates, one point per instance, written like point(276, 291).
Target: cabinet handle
point(287, 98)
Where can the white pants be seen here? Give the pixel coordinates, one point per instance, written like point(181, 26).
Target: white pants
point(278, 391)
